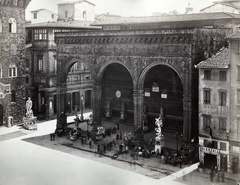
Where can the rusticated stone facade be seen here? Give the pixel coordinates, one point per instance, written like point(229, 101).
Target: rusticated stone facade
point(138, 52)
point(12, 62)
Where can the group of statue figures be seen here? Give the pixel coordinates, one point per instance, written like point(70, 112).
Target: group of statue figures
point(29, 119)
point(159, 124)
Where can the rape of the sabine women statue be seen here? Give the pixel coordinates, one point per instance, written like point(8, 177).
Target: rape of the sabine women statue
point(159, 136)
point(123, 112)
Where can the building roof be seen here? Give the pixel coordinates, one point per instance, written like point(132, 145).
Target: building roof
point(226, 3)
point(171, 18)
point(220, 60)
point(234, 36)
point(38, 10)
point(63, 24)
point(75, 2)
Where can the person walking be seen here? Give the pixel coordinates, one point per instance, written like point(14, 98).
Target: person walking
point(211, 175)
point(222, 175)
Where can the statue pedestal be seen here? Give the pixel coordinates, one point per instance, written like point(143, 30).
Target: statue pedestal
point(159, 143)
point(123, 116)
point(30, 123)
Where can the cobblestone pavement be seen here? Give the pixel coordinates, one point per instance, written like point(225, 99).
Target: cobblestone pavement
point(152, 167)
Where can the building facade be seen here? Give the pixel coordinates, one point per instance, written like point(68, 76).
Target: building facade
point(219, 93)
point(228, 6)
point(214, 110)
point(234, 130)
point(43, 15)
point(12, 65)
point(76, 10)
point(145, 62)
point(42, 68)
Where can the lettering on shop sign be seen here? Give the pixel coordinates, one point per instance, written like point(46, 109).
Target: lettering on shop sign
point(211, 151)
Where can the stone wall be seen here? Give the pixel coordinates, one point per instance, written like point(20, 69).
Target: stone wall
point(16, 108)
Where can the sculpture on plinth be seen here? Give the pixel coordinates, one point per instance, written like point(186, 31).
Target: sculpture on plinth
point(123, 114)
point(29, 119)
point(159, 139)
point(108, 113)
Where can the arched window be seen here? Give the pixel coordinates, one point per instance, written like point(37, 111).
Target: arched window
point(12, 25)
point(84, 15)
point(12, 71)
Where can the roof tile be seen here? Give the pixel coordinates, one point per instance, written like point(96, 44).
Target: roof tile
point(220, 60)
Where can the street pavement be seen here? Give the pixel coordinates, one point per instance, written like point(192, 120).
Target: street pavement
point(24, 163)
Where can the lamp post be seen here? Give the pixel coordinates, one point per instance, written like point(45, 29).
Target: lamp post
point(81, 105)
point(177, 136)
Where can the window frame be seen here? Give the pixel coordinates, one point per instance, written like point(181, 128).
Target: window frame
point(12, 25)
point(207, 74)
point(40, 63)
point(40, 34)
point(222, 75)
point(207, 96)
point(223, 124)
point(12, 71)
point(222, 98)
point(35, 15)
point(206, 122)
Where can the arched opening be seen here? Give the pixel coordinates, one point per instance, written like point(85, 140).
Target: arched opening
point(12, 25)
point(117, 94)
point(1, 115)
point(78, 82)
point(163, 89)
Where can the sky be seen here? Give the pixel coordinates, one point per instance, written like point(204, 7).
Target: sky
point(126, 7)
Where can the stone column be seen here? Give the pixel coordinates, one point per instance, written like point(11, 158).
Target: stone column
point(138, 109)
point(187, 115)
point(96, 97)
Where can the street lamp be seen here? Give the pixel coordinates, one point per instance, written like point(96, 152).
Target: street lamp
point(81, 106)
point(178, 136)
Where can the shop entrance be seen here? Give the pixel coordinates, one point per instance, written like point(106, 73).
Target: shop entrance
point(1, 115)
point(210, 161)
point(223, 162)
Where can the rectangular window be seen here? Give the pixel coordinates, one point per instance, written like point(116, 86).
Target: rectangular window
point(40, 34)
point(222, 124)
point(206, 122)
point(223, 75)
point(52, 16)
point(222, 98)
point(14, 71)
point(40, 63)
point(35, 15)
point(206, 96)
point(223, 146)
point(207, 74)
point(10, 72)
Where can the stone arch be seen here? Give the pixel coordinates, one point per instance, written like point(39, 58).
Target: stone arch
point(104, 67)
point(69, 64)
point(143, 74)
